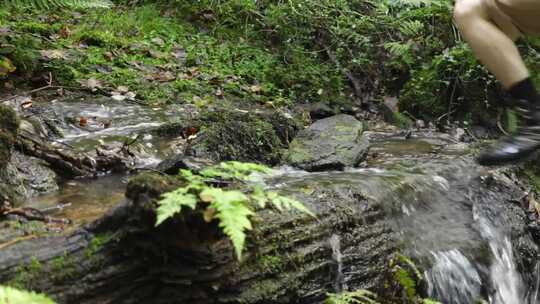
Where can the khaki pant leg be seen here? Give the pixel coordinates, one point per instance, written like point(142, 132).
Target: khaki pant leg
point(524, 15)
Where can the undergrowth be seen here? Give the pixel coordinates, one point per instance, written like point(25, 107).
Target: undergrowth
point(267, 52)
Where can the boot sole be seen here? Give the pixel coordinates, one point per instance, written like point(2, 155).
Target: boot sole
point(505, 162)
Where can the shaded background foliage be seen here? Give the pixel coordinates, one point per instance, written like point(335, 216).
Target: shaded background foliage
point(273, 52)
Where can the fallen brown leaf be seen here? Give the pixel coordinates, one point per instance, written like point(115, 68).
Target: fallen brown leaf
point(92, 83)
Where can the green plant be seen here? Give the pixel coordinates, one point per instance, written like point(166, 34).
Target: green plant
point(352, 297)
point(9, 295)
point(231, 208)
point(50, 4)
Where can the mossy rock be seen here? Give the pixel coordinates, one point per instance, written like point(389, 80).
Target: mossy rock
point(331, 143)
point(243, 136)
point(9, 124)
point(151, 185)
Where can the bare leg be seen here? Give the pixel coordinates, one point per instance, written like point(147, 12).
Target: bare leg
point(491, 36)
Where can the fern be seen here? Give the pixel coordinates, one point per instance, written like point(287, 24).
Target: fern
point(52, 4)
point(14, 296)
point(232, 213)
point(234, 169)
point(416, 3)
point(354, 297)
point(232, 208)
point(173, 202)
point(402, 51)
point(411, 28)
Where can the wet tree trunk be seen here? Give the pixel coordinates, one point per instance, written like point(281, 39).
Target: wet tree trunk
point(123, 258)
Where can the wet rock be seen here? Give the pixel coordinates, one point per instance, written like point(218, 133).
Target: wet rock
point(9, 124)
point(174, 164)
point(322, 110)
point(242, 135)
point(331, 143)
point(25, 176)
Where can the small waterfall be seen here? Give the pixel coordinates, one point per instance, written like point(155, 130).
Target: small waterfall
point(337, 259)
point(507, 284)
point(453, 279)
point(448, 218)
point(532, 293)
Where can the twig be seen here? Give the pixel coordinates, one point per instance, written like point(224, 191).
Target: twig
point(129, 143)
point(447, 113)
point(32, 214)
point(19, 239)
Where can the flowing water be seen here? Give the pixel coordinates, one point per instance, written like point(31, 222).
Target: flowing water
point(89, 123)
point(447, 219)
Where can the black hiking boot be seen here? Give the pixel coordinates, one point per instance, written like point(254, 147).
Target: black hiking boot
point(520, 146)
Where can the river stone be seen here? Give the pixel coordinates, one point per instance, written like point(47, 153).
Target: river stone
point(174, 164)
point(25, 176)
point(331, 143)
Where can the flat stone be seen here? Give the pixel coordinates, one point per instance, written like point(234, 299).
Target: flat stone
point(332, 143)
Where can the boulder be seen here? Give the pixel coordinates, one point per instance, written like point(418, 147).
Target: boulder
point(253, 136)
point(26, 176)
point(331, 143)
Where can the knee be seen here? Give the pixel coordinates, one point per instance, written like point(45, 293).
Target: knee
point(467, 10)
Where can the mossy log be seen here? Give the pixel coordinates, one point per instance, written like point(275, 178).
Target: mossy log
point(124, 258)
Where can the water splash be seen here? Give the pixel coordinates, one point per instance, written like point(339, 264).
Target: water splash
point(507, 284)
point(337, 257)
point(453, 279)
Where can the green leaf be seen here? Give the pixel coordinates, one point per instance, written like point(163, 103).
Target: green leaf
point(286, 203)
point(173, 202)
point(259, 196)
point(10, 295)
point(233, 215)
point(234, 169)
point(352, 297)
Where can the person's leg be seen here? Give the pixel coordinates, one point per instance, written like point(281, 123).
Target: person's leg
point(491, 34)
point(493, 43)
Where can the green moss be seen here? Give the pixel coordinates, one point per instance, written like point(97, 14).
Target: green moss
point(231, 135)
point(298, 153)
point(27, 275)
point(9, 124)
point(9, 121)
point(35, 27)
point(150, 184)
point(401, 121)
point(272, 263)
point(96, 244)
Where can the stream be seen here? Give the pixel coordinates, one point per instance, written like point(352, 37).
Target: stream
point(445, 220)
point(459, 230)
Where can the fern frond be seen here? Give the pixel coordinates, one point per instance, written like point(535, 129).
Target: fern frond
point(234, 169)
point(232, 213)
point(53, 4)
point(15, 296)
point(411, 28)
point(286, 203)
point(173, 202)
point(416, 3)
point(352, 297)
point(397, 48)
